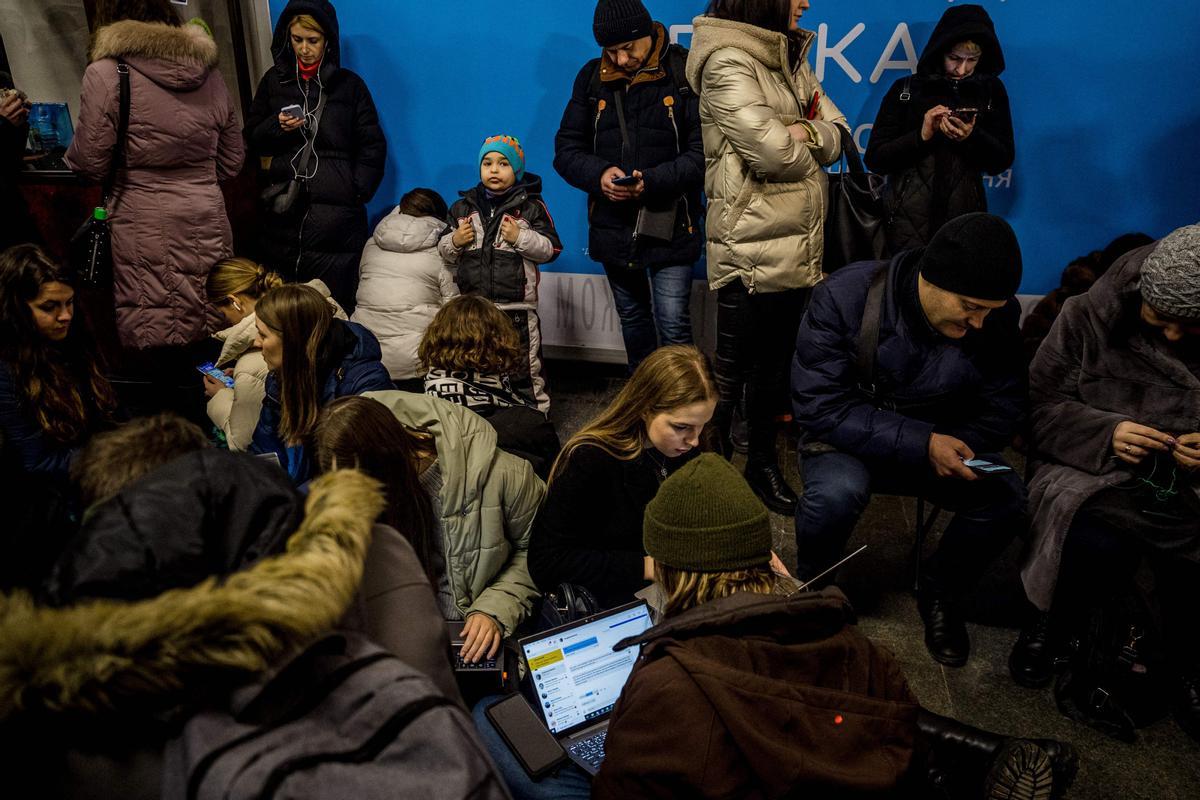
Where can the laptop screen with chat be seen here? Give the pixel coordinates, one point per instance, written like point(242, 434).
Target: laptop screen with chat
point(574, 671)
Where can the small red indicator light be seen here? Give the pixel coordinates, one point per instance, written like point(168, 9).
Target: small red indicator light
point(838, 720)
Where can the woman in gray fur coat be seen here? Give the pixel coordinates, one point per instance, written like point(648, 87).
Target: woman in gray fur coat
point(1115, 390)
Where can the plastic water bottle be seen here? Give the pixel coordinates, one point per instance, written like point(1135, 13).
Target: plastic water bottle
point(97, 248)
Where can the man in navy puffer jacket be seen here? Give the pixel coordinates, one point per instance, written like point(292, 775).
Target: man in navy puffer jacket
point(947, 386)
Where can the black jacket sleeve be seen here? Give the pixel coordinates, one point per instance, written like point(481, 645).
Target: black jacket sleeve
point(568, 542)
point(574, 158)
point(990, 146)
point(262, 129)
point(371, 146)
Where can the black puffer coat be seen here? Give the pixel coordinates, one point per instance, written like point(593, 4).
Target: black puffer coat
point(935, 181)
point(324, 233)
point(17, 227)
point(663, 118)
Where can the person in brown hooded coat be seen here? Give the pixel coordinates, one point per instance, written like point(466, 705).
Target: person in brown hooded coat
point(169, 224)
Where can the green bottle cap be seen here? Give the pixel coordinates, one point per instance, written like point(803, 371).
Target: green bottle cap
point(101, 213)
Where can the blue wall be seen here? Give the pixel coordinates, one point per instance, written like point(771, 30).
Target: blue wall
point(1103, 97)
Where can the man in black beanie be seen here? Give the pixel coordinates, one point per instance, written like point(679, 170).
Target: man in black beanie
point(630, 139)
point(905, 373)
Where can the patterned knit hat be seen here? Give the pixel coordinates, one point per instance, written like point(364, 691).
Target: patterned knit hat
point(620, 21)
point(1171, 274)
point(705, 518)
point(510, 148)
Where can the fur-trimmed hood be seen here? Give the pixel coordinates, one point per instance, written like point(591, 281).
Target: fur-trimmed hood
point(157, 655)
point(178, 58)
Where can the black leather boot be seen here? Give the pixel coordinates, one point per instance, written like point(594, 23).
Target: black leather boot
point(1187, 704)
point(1031, 662)
point(768, 483)
point(1005, 766)
point(945, 632)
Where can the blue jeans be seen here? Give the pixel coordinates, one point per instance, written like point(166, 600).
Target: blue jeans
point(838, 486)
point(568, 783)
point(646, 324)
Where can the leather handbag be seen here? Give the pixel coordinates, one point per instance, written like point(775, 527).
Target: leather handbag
point(854, 221)
point(90, 250)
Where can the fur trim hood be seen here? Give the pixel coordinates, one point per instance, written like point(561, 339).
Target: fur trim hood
point(179, 58)
point(155, 655)
point(769, 48)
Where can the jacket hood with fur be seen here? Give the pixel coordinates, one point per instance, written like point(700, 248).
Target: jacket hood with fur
point(156, 655)
point(711, 34)
point(961, 24)
point(176, 58)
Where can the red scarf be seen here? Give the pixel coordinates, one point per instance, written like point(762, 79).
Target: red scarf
point(309, 72)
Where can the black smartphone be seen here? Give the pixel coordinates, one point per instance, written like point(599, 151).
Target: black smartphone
point(628, 180)
point(526, 735)
point(986, 468)
point(294, 111)
point(965, 114)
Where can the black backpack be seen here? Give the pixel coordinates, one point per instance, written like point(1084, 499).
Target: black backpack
point(342, 719)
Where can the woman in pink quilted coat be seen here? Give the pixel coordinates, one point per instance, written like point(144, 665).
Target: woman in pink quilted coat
point(168, 218)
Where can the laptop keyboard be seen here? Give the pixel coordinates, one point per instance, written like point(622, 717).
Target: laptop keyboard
point(591, 749)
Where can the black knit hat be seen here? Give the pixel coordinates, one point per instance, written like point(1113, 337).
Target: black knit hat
point(705, 518)
point(975, 255)
point(620, 21)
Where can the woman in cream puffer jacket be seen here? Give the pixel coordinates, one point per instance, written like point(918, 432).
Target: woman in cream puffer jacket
point(234, 286)
point(768, 128)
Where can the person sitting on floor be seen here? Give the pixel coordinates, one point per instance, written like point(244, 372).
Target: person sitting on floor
point(471, 351)
point(903, 371)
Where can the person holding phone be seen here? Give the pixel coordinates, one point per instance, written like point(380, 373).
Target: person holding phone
point(1116, 482)
point(652, 168)
point(906, 371)
point(309, 99)
point(938, 131)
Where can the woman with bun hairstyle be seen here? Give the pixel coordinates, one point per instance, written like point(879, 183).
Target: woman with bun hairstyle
point(589, 531)
point(313, 358)
point(234, 288)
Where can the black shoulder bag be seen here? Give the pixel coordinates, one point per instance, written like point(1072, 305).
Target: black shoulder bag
point(91, 246)
point(854, 221)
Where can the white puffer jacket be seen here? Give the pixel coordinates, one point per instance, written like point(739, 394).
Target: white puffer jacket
point(235, 411)
point(402, 284)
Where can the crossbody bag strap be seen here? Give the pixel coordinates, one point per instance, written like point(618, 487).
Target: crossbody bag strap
point(626, 147)
point(118, 157)
point(868, 334)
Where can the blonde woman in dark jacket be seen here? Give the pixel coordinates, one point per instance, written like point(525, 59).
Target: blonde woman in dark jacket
point(768, 128)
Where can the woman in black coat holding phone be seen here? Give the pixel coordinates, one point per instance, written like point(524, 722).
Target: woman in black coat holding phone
point(939, 130)
point(309, 95)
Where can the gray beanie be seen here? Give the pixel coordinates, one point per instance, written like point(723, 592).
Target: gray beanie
point(1171, 274)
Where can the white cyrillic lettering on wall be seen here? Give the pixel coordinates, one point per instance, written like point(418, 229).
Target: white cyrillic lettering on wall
point(900, 37)
point(859, 133)
point(1001, 181)
point(824, 51)
point(675, 31)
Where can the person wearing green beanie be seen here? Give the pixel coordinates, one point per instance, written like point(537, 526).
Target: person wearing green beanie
point(743, 693)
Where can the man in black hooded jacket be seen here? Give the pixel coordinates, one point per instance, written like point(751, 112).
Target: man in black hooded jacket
point(937, 131)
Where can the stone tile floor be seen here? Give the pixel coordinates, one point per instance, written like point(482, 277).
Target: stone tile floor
point(1163, 765)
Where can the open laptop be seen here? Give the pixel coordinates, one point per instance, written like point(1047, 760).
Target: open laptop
point(577, 677)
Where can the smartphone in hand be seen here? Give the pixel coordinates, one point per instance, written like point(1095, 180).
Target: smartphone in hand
point(211, 371)
point(628, 180)
point(294, 111)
